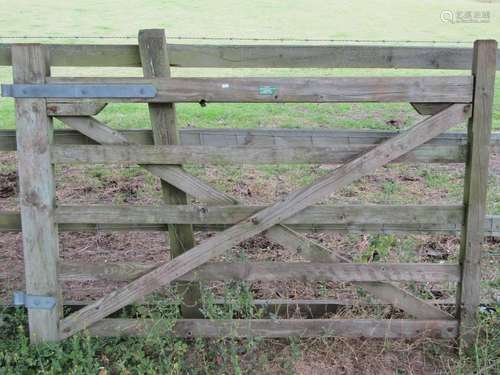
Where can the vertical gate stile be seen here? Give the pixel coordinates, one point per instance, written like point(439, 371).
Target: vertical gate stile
point(155, 63)
point(475, 189)
point(37, 192)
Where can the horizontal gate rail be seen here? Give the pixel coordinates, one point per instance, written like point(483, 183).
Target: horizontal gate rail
point(435, 89)
point(388, 329)
point(268, 271)
point(320, 214)
point(447, 148)
point(262, 56)
point(223, 155)
point(274, 271)
point(257, 137)
point(10, 221)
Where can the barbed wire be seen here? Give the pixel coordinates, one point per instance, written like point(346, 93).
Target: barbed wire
point(217, 38)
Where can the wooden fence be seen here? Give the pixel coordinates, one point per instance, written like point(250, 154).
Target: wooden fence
point(448, 100)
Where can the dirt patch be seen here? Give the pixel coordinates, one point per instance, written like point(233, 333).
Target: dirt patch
point(8, 184)
point(439, 249)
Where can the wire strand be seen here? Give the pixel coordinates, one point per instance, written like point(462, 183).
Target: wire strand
point(215, 38)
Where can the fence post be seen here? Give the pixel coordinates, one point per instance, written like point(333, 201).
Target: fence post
point(475, 189)
point(155, 63)
point(31, 64)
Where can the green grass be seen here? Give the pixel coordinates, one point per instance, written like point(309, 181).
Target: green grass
point(413, 20)
point(382, 19)
point(161, 352)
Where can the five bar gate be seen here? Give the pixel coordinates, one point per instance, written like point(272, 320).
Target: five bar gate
point(449, 100)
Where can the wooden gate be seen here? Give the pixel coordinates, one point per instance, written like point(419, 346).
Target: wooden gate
point(449, 100)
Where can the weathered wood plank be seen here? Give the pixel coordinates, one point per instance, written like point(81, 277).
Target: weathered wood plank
point(263, 56)
point(37, 193)
point(155, 64)
point(224, 155)
point(475, 189)
point(437, 89)
point(11, 222)
point(300, 137)
point(266, 218)
point(449, 147)
point(79, 108)
point(85, 55)
point(271, 271)
point(321, 214)
point(341, 272)
point(388, 329)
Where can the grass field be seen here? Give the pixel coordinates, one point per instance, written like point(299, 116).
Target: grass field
point(417, 20)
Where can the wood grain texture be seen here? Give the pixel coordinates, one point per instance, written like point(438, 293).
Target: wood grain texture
point(475, 189)
point(446, 148)
point(266, 218)
point(436, 89)
point(10, 221)
point(226, 155)
point(37, 193)
point(365, 328)
point(320, 214)
point(262, 56)
point(272, 271)
point(155, 64)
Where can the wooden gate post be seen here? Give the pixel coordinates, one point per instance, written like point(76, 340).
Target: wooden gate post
point(475, 189)
point(155, 63)
point(31, 64)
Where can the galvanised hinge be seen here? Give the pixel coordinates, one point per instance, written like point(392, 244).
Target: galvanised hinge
point(77, 91)
point(34, 302)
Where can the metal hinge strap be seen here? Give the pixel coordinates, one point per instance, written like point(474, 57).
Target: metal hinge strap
point(76, 91)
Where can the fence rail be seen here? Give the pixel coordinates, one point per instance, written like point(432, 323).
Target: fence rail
point(262, 56)
point(10, 221)
point(446, 148)
point(387, 329)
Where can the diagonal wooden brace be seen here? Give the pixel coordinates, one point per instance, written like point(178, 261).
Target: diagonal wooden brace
point(279, 233)
point(267, 218)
